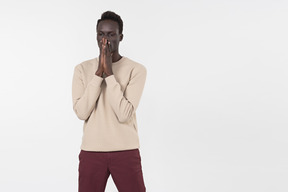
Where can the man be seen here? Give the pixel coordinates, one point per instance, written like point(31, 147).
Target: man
point(106, 92)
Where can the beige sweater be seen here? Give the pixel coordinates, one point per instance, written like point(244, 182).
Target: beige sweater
point(108, 105)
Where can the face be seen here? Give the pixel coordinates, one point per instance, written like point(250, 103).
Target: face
point(109, 30)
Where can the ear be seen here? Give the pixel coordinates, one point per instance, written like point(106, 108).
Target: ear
point(121, 37)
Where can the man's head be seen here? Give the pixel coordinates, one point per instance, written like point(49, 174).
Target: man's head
point(110, 26)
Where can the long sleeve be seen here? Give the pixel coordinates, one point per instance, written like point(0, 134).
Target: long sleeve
point(84, 98)
point(125, 103)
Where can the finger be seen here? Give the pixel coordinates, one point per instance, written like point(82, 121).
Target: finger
point(109, 46)
point(101, 42)
point(102, 54)
point(104, 61)
point(105, 41)
point(102, 58)
point(106, 47)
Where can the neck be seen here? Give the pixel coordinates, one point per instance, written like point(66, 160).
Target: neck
point(116, 57)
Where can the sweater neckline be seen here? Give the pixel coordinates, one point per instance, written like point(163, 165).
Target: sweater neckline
point(114, 63)
point(119, 61)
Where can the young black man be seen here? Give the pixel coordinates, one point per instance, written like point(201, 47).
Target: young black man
point(106, 92)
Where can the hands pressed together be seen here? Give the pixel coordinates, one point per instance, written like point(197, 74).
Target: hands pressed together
point(105, 59)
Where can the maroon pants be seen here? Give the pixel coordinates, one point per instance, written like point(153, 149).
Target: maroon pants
point(124, 167)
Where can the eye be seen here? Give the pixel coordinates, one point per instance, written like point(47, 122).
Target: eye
point(112, 34)
point(100, 34)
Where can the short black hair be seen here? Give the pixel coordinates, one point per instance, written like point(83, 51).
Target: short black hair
point(109, 15)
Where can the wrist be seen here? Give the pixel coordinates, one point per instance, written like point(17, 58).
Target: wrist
point(99, 73)
point(108, 74)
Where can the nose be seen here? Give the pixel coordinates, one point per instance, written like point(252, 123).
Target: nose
point(106, 36)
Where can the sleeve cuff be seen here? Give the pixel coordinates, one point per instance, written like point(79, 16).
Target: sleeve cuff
point(110, 80)
point(96, 81)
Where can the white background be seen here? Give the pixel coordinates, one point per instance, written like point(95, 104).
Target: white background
point(213, 115)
